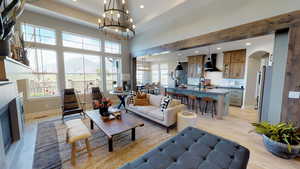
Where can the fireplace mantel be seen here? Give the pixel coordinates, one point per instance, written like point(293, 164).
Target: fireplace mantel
point(7, 65)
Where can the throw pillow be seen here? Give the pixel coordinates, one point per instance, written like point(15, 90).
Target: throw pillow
point(141, 95)
point(165, 101)
point(131, 98)
point(141, 102)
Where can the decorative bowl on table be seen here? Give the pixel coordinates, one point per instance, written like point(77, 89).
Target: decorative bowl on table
point(115, 112)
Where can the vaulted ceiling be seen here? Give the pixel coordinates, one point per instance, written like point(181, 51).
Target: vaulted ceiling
point(92, 9)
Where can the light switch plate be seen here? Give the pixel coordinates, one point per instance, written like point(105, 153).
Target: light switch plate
point(294, 95)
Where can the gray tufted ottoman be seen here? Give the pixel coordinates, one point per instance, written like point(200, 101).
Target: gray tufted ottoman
point(194, 149)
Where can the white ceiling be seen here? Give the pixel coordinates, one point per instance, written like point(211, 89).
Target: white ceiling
point(257, 42)
point(91, 6)
point(153, 8)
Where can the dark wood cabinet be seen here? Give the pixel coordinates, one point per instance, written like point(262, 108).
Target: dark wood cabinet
point(234, 64)
point(195, 66)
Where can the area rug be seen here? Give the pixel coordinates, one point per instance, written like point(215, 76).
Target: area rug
point(52, 151)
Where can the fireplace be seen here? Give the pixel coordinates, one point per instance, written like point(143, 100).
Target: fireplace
point(11, 117)
point(5, 122)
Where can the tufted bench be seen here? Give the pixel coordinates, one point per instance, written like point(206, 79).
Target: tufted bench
point(76, 131)
point(194, 149)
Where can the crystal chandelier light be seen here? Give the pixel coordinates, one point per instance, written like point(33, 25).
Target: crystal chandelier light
point(116, 18)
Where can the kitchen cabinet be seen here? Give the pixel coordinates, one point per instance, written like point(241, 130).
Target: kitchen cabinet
point(195, 66)
point(236, 97)
point(234, 64)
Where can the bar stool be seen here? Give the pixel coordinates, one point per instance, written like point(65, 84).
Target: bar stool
point(192, 101)
point(173, 95)
point(183, 98)
point(206, 101)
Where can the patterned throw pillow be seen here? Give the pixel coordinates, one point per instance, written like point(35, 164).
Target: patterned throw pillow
point(141, 102)
point(165, 101)
point(141, 95)
point(131, 98)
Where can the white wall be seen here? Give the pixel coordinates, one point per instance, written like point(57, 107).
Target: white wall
point(188, 21)
point(50, 103)
point(251, 70)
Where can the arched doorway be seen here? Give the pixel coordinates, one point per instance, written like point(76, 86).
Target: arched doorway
point(257, 60)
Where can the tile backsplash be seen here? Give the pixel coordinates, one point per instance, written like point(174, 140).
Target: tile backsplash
point(218, 80)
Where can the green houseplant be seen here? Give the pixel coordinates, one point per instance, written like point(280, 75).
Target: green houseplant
point(282, 139)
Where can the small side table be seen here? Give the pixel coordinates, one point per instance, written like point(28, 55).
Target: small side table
point(186, 119)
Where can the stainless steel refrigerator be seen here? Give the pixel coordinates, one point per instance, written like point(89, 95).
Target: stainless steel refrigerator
point(265, 80)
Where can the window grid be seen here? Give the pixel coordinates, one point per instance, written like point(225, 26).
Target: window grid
point(37, 34)
point(43, 35)
point(164, 74)
point(82, 72)
point(112, 47)
point(43, 81)
point(155, 73)
point(81, 42)
point(113, 72)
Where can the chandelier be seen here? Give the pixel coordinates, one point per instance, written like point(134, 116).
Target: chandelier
point(116, 18)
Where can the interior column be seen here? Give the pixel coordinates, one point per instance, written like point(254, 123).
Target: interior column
point(291, 106)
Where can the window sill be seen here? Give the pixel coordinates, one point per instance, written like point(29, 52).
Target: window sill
point(43, 97)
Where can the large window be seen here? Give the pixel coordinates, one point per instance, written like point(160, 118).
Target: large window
point(113, 72)
point(38, 34)
point(82, 72)
point(155, 73)
point(164, 74)
point(44, 77)
point(81, 42)
point(112, 47)
point(142, 72)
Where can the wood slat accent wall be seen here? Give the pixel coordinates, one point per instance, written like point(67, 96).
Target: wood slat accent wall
point(249, 30)
point(291, 107)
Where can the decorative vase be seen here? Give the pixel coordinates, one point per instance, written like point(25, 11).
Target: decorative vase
point(104, 111)
point(280, 149)
point(4, 48)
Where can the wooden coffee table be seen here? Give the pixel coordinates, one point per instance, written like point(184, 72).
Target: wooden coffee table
point(113, 127)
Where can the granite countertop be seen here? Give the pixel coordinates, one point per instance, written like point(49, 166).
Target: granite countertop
point(209, 91)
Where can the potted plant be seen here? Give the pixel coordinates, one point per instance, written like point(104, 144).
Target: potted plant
point(103, 107)
point(282, 139)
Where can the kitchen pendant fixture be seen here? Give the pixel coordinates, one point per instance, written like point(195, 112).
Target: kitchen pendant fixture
point(116, 18)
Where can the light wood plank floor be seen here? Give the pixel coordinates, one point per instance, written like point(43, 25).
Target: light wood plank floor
point(235, 127)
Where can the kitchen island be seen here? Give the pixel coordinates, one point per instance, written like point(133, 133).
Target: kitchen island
point(220, 95)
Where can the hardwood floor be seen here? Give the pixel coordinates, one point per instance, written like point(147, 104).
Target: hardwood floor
point(235, 127)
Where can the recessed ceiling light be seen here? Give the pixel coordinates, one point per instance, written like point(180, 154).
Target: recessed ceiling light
point(219, 48)
point(74, 0)
point(142, 6)
point(248, 44)
point(196, 51)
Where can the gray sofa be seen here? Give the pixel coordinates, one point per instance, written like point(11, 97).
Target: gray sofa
point(194, 149)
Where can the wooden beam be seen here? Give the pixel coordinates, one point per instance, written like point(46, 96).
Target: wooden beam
point(291, 107)
point(249, 30)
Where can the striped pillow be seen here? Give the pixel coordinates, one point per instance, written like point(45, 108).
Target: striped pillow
point(165, 101)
